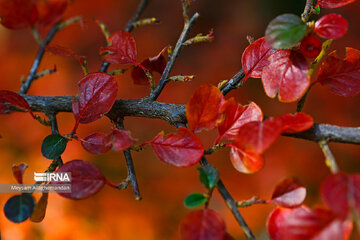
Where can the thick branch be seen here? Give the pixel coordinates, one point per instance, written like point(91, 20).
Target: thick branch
point(173, 113)
point(129, 27)
point(234, 82)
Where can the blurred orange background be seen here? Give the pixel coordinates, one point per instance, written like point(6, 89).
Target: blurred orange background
point(113, 214)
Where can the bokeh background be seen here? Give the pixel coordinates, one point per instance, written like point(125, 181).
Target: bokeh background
point(113, 214)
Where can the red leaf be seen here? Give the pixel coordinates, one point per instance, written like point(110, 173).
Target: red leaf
point(10, 99)
point(333, 3)
point(18, 14)
point(235, 117)
point(310, 46)
point(289, 193)
point(246, 160)
point(343, 75)
point(181, 149)
point(40, 208)
point(64, 52)
point(97, 95)
point(18, 171)
point(331, 26)
point(202, 111)
point(296, 123)
point(341, 193)
point(122, 49)
point(154, 64)
point(203, 224)
point(256, 57)
point(94, 143)
point(258, 136)
point(120, 140)
point(303, 223)
point(50, 11)
point(286, 76)
point(86, 179)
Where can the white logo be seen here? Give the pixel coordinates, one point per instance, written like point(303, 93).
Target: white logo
point(52, 177)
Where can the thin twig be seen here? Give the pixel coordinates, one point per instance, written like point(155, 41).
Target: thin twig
point(130, 165)
point(129, 27)
point(170, 64)
point(39, 55)
point(234, 82)
point(231, 203)
point(308, 10)
point(329, 157)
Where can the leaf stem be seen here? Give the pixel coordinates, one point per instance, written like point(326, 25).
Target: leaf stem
point(308, 10)
point(250, 202)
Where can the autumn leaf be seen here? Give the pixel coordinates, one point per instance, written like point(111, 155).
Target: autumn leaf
point(331, 26)
point(205, 224)
point(19, 207)
point(286, 76)
point(18, 14)
point(119, 140)
point(97, 95)
point(302, 223)
point(236, 116)
point(86, 179)
point(256, 57)
point(94, 143)
point(289, 193)
point(64, 52)
point(40, 208)
point(334, 3)
point(9, 99)
point(181, 149)
point(341, 193)
point(122, 49)
point(343, 75)
point(202, 111)
point(50, 11)
point(153, 64)
point(298, 122)
point(246, 160)
point(310, 46)
point(18, 171)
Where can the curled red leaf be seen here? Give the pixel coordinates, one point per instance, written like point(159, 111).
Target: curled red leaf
point(341, 193)
point(203, 224)
point(310, 46)
point(18, 171)
point(256, 57)
point(18, 14)
point(202, 111)
point(289, 193)
point(64, 52)
point(286, 76)
point(119, 140)
point(235, 117)
point(154, 64)
point(343, 75)
point(296, 123)
point(246, 160)
point(9, 99)
point(94, 143)
point(181, 149)
point(331, 26)
point(122, 49)
point(334, 3)
point(302, 223)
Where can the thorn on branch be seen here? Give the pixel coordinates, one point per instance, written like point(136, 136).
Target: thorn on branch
point(104, 29)
point(70, 21)
point(329, 157)
point(250, 202)
point(181, 78)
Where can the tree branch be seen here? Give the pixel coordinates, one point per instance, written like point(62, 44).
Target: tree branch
point(39, 55)
point(173, 113)
point(307, 11)
point(129, 27)
point(234, 82)
point(170, 64)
